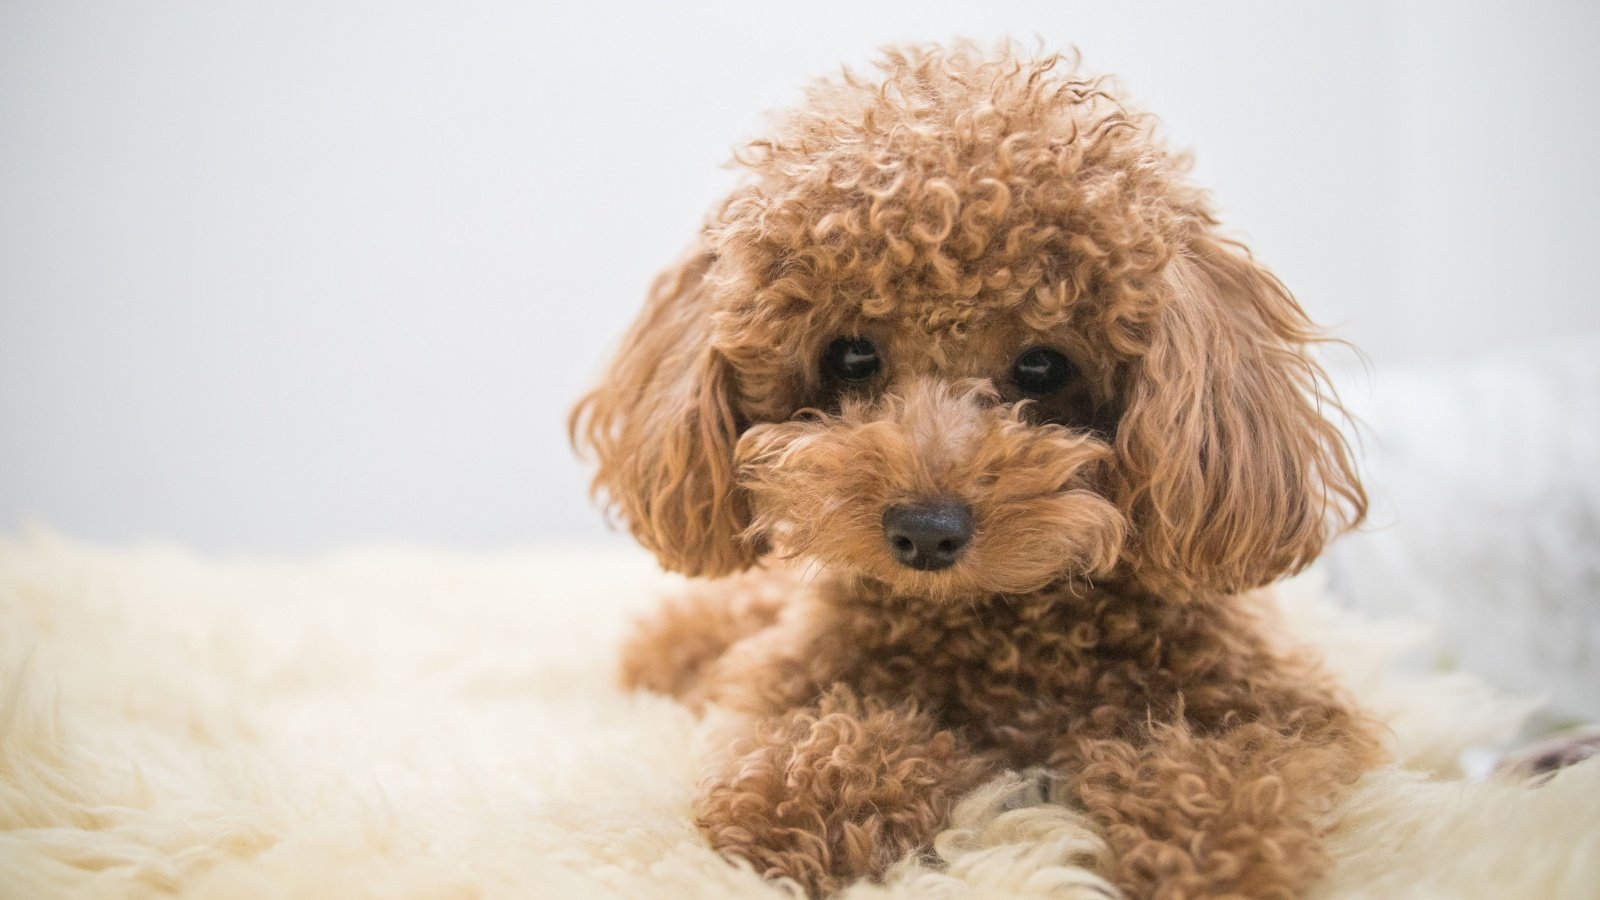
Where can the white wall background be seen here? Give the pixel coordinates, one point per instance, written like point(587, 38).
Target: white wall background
point(279, 276)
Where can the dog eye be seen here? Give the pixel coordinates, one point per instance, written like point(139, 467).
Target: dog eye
point(851, 359)
point(1041, 371)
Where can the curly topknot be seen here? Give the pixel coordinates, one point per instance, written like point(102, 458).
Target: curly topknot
point(961, 184)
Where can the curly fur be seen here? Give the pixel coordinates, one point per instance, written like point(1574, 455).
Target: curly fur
point(957, 209)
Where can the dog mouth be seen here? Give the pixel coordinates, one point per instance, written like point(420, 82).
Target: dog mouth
point(933, 495)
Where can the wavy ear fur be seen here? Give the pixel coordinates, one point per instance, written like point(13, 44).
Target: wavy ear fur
point(662, 428)
point(1233, 474)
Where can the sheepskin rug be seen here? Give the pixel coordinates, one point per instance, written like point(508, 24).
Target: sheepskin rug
point(406, 724)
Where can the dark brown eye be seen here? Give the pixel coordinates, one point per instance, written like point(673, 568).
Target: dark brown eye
point(1041, 371)
point(851, 359)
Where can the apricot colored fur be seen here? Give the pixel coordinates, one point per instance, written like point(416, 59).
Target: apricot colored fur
point(957, 209)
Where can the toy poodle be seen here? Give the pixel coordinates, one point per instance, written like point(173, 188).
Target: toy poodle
point(968, 348)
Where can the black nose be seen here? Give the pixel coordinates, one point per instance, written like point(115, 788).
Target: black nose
point(928, 534)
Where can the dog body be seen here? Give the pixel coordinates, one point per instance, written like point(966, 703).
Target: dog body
point(968, 345)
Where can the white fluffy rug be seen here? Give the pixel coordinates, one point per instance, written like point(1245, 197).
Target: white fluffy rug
point(401, 724)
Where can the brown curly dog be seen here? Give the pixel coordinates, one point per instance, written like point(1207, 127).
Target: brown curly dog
point(969, 344)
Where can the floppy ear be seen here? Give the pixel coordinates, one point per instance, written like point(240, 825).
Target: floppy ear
point(662, 428)
point(1232, 474)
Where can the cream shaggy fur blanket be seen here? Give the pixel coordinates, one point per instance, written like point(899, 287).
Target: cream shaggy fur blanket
point(403, 724)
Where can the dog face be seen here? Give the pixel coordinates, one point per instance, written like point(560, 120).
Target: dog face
point(965, 330)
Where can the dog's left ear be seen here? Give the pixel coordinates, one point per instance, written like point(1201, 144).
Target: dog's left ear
point(1232, 474)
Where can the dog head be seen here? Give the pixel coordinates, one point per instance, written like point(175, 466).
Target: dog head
point(966, 328)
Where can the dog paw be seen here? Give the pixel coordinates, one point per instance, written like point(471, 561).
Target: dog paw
point(833, 793)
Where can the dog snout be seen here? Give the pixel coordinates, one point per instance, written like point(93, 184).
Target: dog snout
point(928, 535)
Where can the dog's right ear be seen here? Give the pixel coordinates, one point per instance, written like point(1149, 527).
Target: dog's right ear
point(662, 427)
